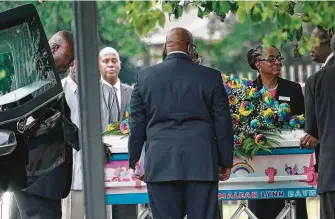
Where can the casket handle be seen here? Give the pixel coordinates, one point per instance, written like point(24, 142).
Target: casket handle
point(271, 172)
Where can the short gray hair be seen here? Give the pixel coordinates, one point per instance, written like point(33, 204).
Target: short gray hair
point(109, 50)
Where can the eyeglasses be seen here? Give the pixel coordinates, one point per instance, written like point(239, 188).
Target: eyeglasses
point(273, 59)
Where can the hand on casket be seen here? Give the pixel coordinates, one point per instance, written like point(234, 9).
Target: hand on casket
point(224, 173)
point(309, 141)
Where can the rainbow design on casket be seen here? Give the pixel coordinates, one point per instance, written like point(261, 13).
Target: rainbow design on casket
point(242, 169)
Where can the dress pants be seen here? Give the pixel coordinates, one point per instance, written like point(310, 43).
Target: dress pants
point(73, 206)
point(29, 206)
point(327, 205)
point(270, 208)
point(175, 199)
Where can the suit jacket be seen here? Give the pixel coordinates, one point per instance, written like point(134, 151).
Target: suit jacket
point(181, 110)
point(286, 89)
point(126, 91)
point(109, 108)
point(320, 121)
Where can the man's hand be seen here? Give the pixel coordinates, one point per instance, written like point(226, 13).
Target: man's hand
point(224, 173)
point(309, 141)
point(139, 177)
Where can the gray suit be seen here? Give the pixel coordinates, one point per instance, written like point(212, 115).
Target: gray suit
point(109, 109)
point(126, 91)
point(320, 122)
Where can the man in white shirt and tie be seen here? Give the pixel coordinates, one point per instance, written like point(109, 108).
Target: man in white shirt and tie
point(73, 205)
point(110, 66)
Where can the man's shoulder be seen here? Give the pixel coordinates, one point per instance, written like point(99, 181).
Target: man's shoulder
point(63, 81)
point(126, 86)
point(209, 70)
point(311, 79)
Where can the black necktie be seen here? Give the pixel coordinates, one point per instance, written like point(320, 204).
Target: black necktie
point(117, 103)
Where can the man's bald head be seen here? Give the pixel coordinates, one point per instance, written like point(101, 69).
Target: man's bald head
point(108, 50)
point(178, 39)
point(109, 65)
point(62, 49)
point(321, 52)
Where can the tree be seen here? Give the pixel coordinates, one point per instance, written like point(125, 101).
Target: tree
point(229, 54)
point(287, 16)
point(112, 28)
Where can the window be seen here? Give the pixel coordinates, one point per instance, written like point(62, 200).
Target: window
point(25, 71)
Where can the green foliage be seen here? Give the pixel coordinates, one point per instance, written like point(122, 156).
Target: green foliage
point(286, 16)
point(6, 72)
point(113, 30)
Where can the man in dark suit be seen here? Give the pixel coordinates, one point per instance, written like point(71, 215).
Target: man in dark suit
point(181, 110)
point(42, 198)
point(320, 120)
point(321, 53)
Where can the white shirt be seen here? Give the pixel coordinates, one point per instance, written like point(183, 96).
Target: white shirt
point(117, 88)
point(71, 95)
point(328, 58)
point(176, 52)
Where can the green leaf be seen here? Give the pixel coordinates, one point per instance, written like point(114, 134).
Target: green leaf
point(299, 7)
point(254, 151)
point(178, 11)
point(299, 33)
point(266, 149)
point(241, 15)
point(224, 7)
point(167, 7)
point(200, 13)
point(161, 20)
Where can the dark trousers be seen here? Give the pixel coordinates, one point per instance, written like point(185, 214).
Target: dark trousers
point(270, 208)
point(327, 205)
point(29, 206)
point(124, 211)
point(175, 199)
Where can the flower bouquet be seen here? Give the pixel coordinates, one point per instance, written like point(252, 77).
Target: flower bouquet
point(119, 128)
point(258, 118)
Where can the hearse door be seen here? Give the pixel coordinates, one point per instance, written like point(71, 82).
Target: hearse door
point(30, 100)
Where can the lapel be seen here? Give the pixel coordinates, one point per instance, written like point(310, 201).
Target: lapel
point(280, 87)
point(330, 62)
point(124, 99)
point(259, 85)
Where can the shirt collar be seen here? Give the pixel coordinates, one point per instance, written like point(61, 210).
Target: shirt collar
point(73, 85)
point(328, 58)
point(177, 52)
point(117, 86)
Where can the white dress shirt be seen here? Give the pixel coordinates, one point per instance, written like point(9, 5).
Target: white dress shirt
point(176, 52)
point(117, 88)
point(70, 89)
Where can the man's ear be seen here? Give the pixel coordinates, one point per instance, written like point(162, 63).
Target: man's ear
point(120, 65)
point(73, 63)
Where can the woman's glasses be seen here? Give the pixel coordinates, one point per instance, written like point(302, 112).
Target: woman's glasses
point(273, 59)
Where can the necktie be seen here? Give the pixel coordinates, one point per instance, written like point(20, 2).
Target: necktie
point(117, 102)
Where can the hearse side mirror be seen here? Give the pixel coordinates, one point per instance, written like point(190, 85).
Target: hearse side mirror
point(7, 142)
